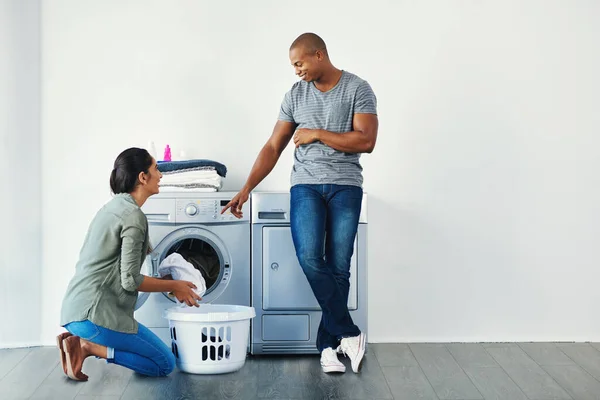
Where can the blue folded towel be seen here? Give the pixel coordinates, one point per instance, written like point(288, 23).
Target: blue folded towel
point(169, 166)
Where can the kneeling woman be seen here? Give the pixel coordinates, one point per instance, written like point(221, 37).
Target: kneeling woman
point(97, 310)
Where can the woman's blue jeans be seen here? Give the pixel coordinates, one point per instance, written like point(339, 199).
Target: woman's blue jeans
point(143, 352)
point(324, 221)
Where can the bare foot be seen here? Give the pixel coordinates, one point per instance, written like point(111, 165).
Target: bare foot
point(74, 357)
point(93, 349)
point(59, 344)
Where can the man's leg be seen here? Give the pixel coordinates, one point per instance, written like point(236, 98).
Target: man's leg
point(343, 212)
point(308, 220)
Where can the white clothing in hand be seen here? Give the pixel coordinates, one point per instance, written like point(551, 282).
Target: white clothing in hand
point(181, 270)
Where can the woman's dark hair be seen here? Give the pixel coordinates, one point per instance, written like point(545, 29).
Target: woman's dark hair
point(127, 167)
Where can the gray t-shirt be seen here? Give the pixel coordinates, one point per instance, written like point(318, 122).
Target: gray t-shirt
point(308, 107)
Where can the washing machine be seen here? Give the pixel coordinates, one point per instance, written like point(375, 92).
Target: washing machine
point(287, 312)
point(191, 224)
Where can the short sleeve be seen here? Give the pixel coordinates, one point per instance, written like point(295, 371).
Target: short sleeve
point(286, 112)
point(365, 101)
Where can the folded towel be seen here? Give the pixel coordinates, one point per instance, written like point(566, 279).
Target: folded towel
point(184, 189)
point(180, 171)
point(207, 177)
point(170, 166)
point(181, 270)
point(192, 185)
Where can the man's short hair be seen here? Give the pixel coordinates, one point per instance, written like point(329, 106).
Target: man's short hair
point(311, 42)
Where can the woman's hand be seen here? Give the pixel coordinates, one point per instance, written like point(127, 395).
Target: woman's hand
point(184, 291)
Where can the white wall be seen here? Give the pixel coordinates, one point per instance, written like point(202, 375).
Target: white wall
point(484, 182)
point(20, 226)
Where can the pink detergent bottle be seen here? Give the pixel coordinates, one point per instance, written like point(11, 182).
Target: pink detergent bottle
point(167, 156)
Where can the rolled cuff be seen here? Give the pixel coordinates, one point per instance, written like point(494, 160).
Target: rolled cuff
point(131, 282)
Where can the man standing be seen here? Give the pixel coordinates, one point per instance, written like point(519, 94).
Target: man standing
point(331, 115)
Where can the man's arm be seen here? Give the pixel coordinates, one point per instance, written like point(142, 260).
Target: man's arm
point(270, 153)
point(361, 140)
point(266, 160)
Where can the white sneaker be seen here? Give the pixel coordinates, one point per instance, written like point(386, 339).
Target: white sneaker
point(330, 362)
point(354, 348)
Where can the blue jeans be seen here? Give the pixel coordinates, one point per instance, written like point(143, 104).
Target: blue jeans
point(142, 352)
point(324, 221)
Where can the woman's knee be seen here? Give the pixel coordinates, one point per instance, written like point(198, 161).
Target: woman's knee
point(165, 363)
point(168, 366)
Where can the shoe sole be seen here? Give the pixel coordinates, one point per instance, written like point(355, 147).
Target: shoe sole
point(70, 371)
point(61, 351)
point(361, 353)
point(333, 368)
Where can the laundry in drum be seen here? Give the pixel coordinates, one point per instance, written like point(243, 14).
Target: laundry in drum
point(202, 256)
point(180, 269)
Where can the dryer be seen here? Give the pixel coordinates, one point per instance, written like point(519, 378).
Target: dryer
point(191, 224)
point(287, 312)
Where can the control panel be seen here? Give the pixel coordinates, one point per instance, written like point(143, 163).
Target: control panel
point(207, 210)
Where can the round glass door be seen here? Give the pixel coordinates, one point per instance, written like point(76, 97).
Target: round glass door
point(203, 256)
point(203, 250)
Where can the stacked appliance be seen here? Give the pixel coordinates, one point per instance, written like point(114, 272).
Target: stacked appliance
point(287, 313)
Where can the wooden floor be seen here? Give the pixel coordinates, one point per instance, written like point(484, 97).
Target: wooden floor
point(512, 371)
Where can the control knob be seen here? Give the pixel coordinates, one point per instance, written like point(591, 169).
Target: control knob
point(191, 210)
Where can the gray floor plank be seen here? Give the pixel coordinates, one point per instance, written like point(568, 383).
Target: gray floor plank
point(174, 386)
point(577, 382)
point(57, 386)
point(180, 385)
point(393, 355)
point(416, 371)
point(526, 373)
point(198, 386)
point(9, 358)
point(104, 379)
point(318, 384)
point(471, 355)
point(596, 345)
point(241, 384)
point(546, 354)
point(495, 384)
point(369, 383)
point(585, 355)
point(279, 378)
point(23, 380)
point(237, 389)
point(445, 375)
point(409, 383)
point(511, 355)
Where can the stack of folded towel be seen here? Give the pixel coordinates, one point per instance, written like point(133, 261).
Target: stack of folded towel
point(196, 175)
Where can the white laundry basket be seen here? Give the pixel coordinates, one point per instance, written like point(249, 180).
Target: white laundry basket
point(210, 339)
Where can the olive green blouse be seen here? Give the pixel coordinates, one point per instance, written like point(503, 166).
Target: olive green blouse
point(107, 275)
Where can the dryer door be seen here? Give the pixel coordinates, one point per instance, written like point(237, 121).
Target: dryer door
point(284, 284)
point(201, 248)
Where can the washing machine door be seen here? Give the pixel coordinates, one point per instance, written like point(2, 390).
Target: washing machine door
point(201, 248)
